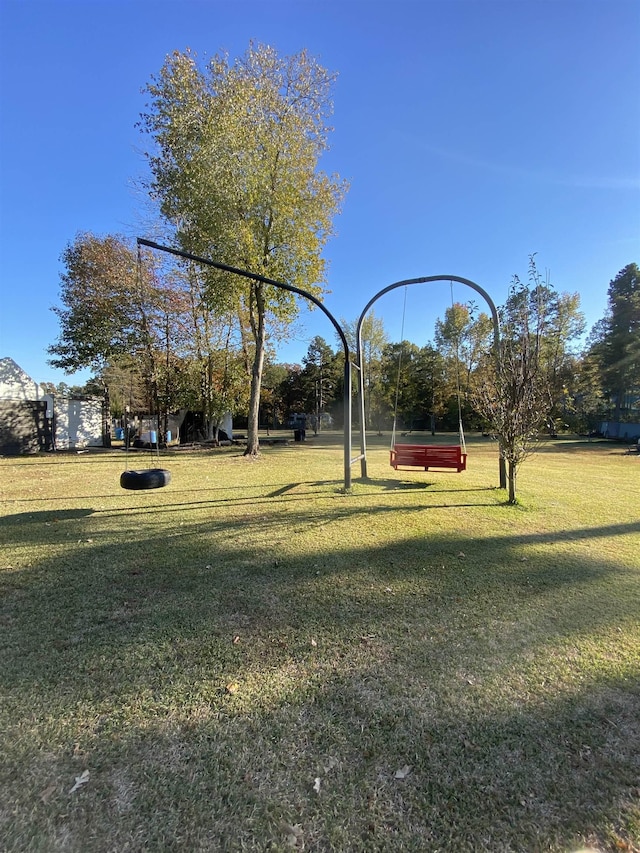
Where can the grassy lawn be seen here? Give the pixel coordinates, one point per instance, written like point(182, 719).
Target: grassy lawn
point(249, 659)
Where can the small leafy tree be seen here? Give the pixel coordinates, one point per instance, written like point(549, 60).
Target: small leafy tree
point(513, 392)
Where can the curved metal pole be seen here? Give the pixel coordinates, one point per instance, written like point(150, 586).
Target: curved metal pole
point(292, 289)
point(422, 280)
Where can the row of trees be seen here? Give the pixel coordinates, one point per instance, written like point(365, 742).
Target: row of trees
point(160, 347)
point(573, 386)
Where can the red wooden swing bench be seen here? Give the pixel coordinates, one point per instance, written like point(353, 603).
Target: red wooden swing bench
point(428, 456)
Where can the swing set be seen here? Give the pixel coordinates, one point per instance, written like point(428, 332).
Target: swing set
point(422, 456)
point(428, 456)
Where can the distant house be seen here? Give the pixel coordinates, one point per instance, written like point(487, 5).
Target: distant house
point(15, 384)
point(619, 430)
point(32, 421)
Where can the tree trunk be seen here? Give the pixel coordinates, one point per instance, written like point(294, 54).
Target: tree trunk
point(253, 443)
point(512, 482)
point(106, 419)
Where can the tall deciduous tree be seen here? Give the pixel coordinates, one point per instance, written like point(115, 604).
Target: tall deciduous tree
point(234, 168)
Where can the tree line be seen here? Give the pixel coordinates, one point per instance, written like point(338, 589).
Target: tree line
point(547, 368)
point(159, 346)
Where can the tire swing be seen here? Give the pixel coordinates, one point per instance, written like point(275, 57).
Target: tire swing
point(147, 478)
point(151, 478)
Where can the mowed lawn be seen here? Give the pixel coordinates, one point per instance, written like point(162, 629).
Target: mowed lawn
point(250, 659)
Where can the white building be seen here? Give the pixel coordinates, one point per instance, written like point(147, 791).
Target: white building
point(31, 421)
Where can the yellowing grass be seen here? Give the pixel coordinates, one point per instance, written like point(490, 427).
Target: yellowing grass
point(209, 651)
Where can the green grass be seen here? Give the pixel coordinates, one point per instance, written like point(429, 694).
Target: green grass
point(208, 651)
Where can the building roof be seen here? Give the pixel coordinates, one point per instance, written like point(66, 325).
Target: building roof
point(15, 384)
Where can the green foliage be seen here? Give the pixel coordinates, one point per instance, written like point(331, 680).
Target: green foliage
point(147, 331)
point(615, 343)
point(235, 171)
point(321, 378)
point(514, 392)
point(97, 319)
point(373, 339)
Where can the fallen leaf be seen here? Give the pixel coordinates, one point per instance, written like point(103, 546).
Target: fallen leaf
point(314, 643)
point(403, 772)
point(232, 687)
point(236, 640)
point(331, 763)
point(80, 781)
point(293, 835)
point(461, 554)
point(316, 785)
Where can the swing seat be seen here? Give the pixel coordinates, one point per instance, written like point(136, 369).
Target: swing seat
point(428, 456)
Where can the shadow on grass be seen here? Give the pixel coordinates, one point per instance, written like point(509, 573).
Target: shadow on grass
point(28, 526)
point(124, 648)
point(43, 516)
point(117, 592)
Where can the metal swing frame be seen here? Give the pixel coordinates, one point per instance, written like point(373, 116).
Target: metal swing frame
point(359, 365)
point(347, 444)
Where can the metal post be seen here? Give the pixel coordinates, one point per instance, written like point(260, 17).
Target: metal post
point(361, 406)
point(347, 424)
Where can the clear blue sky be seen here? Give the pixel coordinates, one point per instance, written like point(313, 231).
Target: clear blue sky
point(473, 133)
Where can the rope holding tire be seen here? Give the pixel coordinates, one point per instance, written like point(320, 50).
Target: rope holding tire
point(150, 478)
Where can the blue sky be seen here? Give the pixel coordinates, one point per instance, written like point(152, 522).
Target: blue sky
point(473, 133)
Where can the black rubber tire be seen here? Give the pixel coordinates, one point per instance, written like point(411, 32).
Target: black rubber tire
point(150, 478)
